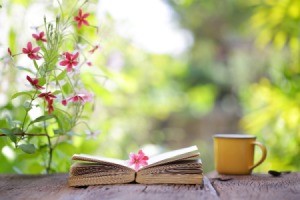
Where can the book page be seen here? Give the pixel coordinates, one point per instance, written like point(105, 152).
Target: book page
point(99, 159)
point(180, 154)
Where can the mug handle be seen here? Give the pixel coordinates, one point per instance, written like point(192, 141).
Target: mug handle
point(264, 154)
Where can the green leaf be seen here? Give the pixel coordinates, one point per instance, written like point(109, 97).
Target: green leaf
point(13, 40)
point(27, 105)
point(9, 134)
point(61, 75)
point(30, 93)
point(42, 118)
point(27, 148)
point(16, 122)
point(63, 119)
point(25, 69)
point(42, 81)
point(58, 132)
point(67, 89)
point(36, 65)
point(16, 130)
point(56, 92)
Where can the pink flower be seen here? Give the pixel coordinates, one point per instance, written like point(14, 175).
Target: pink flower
point(138, 160)
point(70, 61)
point(34, 82)
point(89, 64)
point(94, 49)
point(47, 96)
point(81, 18)
point(9, 51)
point(39, 37)
point(64, 102)
point(50, 106)
point(31, 53)
point(82, 98)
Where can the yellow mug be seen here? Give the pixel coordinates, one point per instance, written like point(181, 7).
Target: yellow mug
point(234, 153)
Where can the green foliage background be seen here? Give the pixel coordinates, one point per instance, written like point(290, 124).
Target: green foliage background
point(245, 57)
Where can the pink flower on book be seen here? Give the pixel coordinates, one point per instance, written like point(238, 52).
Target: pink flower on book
point(70, 61)
point(81, 18)
point(39, 37)
point(32, 53)
point(138, 160)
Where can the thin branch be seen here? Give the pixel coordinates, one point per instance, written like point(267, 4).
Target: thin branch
point(26, 134)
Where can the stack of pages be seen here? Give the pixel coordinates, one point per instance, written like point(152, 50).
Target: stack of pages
point(182, 166)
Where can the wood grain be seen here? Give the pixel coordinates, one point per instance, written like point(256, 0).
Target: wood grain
point(55, 187)
point(258, 186)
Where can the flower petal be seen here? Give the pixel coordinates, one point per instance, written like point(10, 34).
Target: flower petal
point(137, 166)
point(68, 56)
point(75, 56)
point(85, 15)
point(63, 63)
point(85, 22)
point(36, 49)
point(24, 50)
point(29, 46)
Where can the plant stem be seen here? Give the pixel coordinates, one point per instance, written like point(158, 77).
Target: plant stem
point(26, 134)
point(50, 154)
point(27, 110)
point(49, 146)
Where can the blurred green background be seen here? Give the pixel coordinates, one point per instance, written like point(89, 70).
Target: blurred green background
point(227, 66)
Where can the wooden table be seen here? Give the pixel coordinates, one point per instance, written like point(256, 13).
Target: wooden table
point(257, 186)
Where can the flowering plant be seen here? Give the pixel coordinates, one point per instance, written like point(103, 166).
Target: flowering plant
point(55, 90)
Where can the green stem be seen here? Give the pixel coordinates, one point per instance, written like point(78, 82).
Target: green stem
point(27, 110)
point(48, 169)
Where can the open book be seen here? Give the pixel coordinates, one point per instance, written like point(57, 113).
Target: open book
point(182, 166)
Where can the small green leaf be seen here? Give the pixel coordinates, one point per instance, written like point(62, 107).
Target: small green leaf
point(36, 65)
point(9, 134)
point(42, 118)
point(5, 131)
point(27, 148)
point(22, 93)
point(27, 105)
point(16, 122)
point(58, 132)
point(61, 75)
point(16, 130)
point(56, 92)
point(25, 69)
point(67, 89)
point(42, 81)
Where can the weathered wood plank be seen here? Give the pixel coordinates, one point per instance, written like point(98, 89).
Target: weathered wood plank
point(258, 186)
point(232, 187)
point(55, 187)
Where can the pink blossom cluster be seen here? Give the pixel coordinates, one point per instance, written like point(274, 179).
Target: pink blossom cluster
point(69, 60)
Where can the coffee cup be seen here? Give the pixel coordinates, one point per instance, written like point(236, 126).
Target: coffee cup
point(234, 153)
